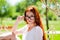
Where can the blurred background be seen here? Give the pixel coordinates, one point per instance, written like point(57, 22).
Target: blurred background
point(49, 11)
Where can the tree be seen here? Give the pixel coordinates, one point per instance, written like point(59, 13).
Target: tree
point(3, 9)
point(21, 6)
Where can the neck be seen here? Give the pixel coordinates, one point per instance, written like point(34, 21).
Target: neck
point(32, 25)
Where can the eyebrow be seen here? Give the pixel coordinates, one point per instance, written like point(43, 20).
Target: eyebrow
point(30, 15)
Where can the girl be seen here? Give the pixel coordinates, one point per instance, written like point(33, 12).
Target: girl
point(34, 28)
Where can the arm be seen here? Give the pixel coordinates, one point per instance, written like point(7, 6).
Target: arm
point(21, 30)
point(19, 18)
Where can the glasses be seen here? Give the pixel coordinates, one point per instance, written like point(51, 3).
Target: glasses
point(30, 17)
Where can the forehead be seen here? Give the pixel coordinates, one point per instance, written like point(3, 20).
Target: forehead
point(29, 13)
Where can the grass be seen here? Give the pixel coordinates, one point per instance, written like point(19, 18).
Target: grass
point(55, 37)
point(55, 24)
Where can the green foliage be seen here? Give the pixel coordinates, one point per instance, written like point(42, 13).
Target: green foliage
point(21, 6)
point(51, 15)
point(31, 2)
point(39, 7)
point(12, 12)
point(3, 8)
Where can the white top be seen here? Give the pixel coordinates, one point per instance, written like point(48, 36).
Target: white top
point(35, 33)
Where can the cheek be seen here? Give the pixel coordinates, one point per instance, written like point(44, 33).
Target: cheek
point(33, 20)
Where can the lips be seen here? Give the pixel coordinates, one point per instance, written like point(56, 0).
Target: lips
point(29, 21)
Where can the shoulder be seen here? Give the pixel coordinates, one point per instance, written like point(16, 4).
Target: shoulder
point(38, 29)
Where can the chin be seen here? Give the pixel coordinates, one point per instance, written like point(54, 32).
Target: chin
point(29, 22)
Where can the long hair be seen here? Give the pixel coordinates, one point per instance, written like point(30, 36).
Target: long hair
point(38, 20)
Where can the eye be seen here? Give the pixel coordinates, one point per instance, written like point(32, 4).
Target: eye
point(32, 16)
point(26, 16)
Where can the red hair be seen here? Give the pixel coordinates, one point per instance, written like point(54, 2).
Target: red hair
point(37, 18)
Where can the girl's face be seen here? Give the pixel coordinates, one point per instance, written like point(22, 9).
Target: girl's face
point(30, 17)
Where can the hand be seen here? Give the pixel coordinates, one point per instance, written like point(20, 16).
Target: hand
point(19, 18)
point(13, 36)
